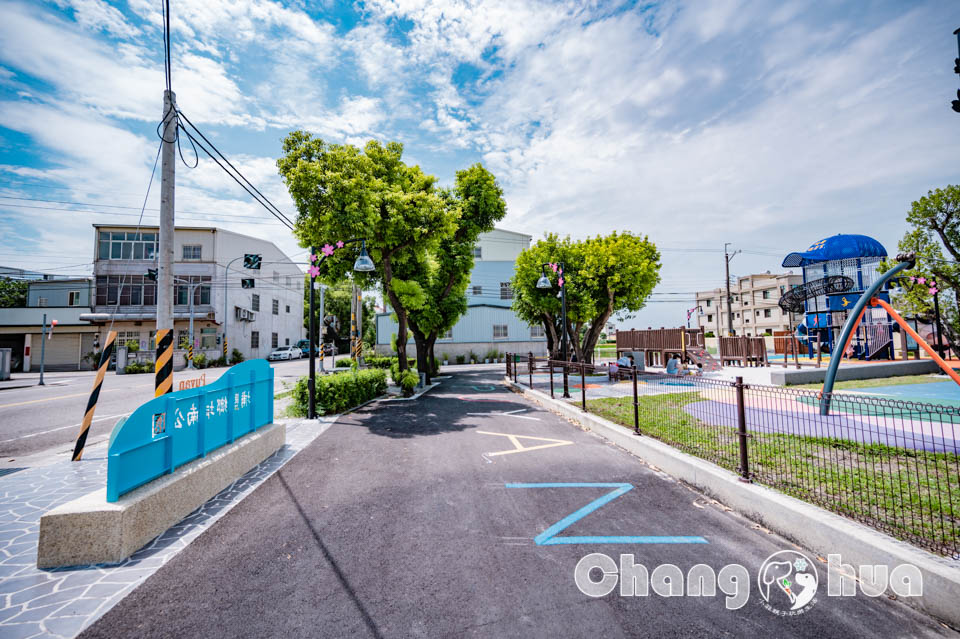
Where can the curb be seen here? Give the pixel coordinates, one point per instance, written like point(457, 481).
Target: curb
point(817, 530)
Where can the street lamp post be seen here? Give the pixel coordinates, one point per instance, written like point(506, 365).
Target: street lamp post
point(544, 283)
point(363, 264)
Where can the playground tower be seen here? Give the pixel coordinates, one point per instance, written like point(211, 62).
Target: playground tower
point(836, 272)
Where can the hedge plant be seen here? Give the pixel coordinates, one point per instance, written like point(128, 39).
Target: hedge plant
point(340, 391)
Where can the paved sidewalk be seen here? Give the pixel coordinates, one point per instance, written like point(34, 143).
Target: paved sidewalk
point(62, 602)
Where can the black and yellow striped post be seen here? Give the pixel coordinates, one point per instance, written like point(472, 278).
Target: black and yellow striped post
point(190, 352)
point(224, 346)
point(163, 368)
point(105, 356)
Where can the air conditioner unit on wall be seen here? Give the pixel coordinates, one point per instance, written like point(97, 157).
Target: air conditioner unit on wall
point(244, 315)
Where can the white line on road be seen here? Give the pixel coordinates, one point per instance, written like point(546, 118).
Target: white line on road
point(53, 430)
point(512, 413)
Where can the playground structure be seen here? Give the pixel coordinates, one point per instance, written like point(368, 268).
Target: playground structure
point(836, 272)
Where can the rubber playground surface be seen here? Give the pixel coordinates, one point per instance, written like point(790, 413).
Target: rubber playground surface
point(935, 429)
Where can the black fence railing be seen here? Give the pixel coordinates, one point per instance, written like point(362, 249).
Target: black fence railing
point(893, 465)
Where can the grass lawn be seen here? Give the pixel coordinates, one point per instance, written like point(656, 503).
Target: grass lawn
point(881, 381)
point(912, 495)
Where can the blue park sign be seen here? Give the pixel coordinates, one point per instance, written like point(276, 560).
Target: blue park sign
point(176, 428)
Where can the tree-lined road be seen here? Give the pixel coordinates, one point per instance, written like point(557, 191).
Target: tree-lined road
point(418, 519)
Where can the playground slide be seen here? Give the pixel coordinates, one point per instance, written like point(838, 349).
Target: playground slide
point(702, 357)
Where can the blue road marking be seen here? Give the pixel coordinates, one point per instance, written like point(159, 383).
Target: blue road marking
point(548, 537)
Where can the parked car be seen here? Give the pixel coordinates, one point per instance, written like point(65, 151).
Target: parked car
point(328, 348)
point(285, 352)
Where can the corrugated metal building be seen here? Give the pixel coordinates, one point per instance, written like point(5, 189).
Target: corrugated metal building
point(489, 323)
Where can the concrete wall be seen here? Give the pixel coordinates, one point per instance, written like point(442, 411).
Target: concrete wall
point(475, 327)
point(500, 245)
point(782, 376)
point(57, 293)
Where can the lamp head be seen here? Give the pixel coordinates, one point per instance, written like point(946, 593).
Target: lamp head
point(544, 281)
point(364, 264)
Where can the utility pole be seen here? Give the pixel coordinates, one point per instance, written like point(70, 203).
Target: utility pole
point(323, 329)
point(726, 258)
point(359, 326)
point(311, 343)
point(43, 347)
point(165, 290)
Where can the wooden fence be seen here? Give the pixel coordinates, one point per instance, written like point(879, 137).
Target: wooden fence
point(657, 342)
point(743, 351)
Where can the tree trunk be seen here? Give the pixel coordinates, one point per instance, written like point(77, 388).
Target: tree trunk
point(401, 341)
point(420, 340)
point(593, 335)
point(431, 341)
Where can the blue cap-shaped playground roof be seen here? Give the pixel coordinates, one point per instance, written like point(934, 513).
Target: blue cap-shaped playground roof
point(837, 247)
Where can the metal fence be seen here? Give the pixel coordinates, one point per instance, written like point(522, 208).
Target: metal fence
point(893, 465)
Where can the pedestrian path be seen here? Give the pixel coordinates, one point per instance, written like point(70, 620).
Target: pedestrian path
point(62, 602)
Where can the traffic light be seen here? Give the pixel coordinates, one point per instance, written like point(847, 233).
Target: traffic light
point(247, 282)
point(956, 103)
point(252, 260)
point(152, 274)
point(956, 65)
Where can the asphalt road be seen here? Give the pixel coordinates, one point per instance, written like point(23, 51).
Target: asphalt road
point(41, 420)
point(400, 522)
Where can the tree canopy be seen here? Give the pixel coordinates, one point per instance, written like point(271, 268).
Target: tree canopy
point(603, 275)
point(342, 193)
point(13, 293)
point(934, 236)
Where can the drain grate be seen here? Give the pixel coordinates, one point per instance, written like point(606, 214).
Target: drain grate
point(9, 471)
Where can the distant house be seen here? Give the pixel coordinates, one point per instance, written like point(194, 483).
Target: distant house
point(64, 299)
point(489, 323)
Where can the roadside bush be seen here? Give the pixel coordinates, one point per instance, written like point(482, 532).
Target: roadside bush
point(386, 361)
point(135, 368)
point(461, 359)
point(132, 345)
point(408, 382)
point(340, 391)
point(343, 363)
point(236, 356)
point(473, 357)
point(200, 361)
point(216, 363)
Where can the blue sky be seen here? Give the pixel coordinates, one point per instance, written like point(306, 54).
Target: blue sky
point(767, 124)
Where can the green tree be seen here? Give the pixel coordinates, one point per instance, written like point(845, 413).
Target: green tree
point(342, 192)
point(934, 236)
point(13, 293)
point(478, 203)
point(604, 275)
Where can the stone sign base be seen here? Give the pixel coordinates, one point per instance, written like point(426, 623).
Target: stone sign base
point(89, 530)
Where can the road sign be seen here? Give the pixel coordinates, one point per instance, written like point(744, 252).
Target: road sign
point(176, 428)
point(247, 282)
point(252, 261)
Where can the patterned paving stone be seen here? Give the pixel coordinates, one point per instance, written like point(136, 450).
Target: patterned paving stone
point(63, 601)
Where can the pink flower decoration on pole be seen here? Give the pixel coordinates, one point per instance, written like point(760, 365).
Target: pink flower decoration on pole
point(921, 280)
point(913, 278)
point(327, 250)
point(560, 282)
point(340, 244)
point(314, 271)
point(933, 290)
point(553, 265)
point(313, 258)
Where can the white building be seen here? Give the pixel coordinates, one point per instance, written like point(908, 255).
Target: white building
point(255, 320)
point(489, 323)
point(754, 307)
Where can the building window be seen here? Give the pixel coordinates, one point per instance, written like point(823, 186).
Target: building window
point(709, 318)
point(41, 301)
point(477, 253)
point(289, 281)
point(766, 295)
point(276, 277)
point(499, 331)
point(478, 290)
point(286, 342)
point(746, 320)
point(276, 307)
point(288, 308)
point(129, 290)
point(255, 302)
point(447, 335)
point(73, 298)
point(127, 336)
point(708, 303)
point(767, 312)
point(192, 251)
point(208, 338)
point(201, 293)
point(274, 340)
point(152, 344)
point(127, 246)
point(506, 291)
point(254, 339)
point(537, 332)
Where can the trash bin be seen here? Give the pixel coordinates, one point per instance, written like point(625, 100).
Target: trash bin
point(6, 356)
